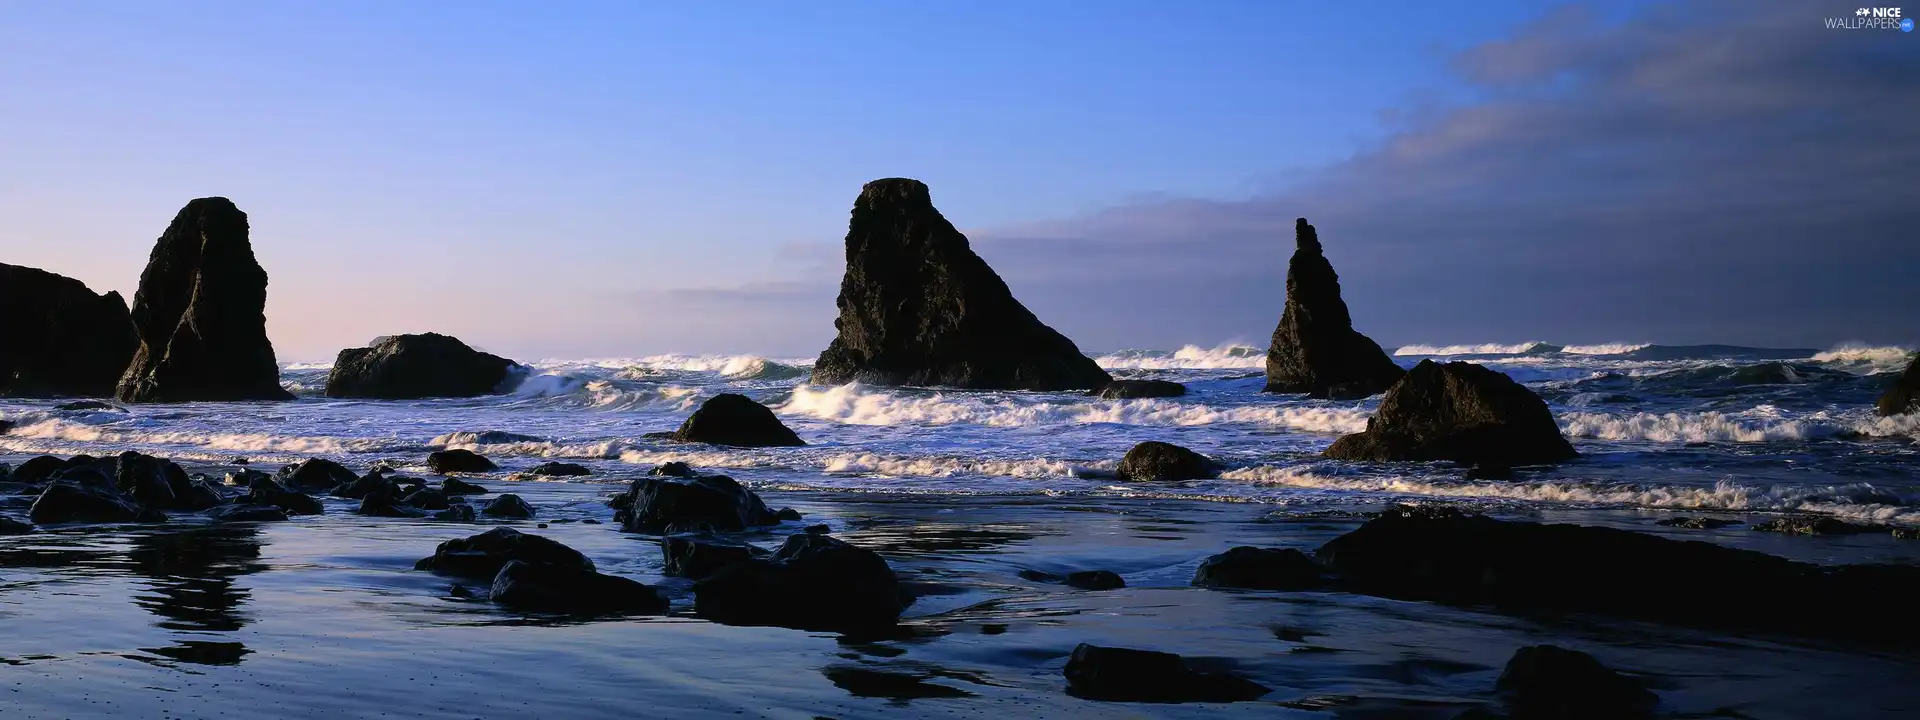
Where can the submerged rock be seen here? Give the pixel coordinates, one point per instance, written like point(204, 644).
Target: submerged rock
point(814, 582)
point(1817, 525)
point(1127, 675)
point(560, 469)
point(508, 506)
point(660, 506)
point(1084, 579)
point(61, 339)
point(1442, 554)
point(481, 556)
point(918, 307)
point(738, 421)
point(457, 460)
point(1164, 461)
point(200, 314)
point(1545, 681)
point(1129, 389)
point(1315, 349)
point(696, 557)
point(403, 367)
point(1252, 568)
point(90, 405)
point(1696, 523)
point(1460, 412)
point(246, 513)
point(542, 587)
point(1903, 395)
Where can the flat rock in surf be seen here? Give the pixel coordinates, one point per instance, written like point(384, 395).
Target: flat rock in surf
point(560, 469)
point(715, 503)
point(918, 307)
point(62, 339)
point(427, 365)
point(1315, 349)
point(735, 420)
point(457, 460)
point(1129, 675)
point(201, 314)
point(1152, 460)
point(814, 582)
point(1130, 389)
point(1903, 395)
point(481, 556)
point(1461, 412)
point(1442, 554)
point(546, 587)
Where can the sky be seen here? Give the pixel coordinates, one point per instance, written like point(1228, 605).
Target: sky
point(601, 179)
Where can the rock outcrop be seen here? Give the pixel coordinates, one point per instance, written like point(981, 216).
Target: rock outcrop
point(481, 556)
point(1460, 412)
point(737, 421)
point(1152, 460)
point(716, 503)
point(200, 314)
point(1903, 396)
point(459, 460)
point(61, 339)
point(404, 367)
point(1315, 349)
point(814, 582)
point(918, 307)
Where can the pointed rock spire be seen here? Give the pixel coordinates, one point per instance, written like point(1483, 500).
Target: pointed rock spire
point(1315, 349)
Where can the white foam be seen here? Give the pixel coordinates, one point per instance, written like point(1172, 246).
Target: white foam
point(22, 439)
point(1855, 500)
point(855, 404)
point(1764, 423)
point(1190, 357)
point(1483, 349)
point(572, 391)
point(1880, 358)
point(730, 366)
point(1602, 349)
point(1037, 468)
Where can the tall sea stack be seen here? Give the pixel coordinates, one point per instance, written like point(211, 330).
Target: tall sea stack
point(201, 314)
point(1315, 349)
point(59, 339)
point(918, 307)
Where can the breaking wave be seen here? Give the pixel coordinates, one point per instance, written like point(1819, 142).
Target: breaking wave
point(1877, 358)
point(1759, 425)
point(1191, 357)
point(855, 404)
point(1483, 349)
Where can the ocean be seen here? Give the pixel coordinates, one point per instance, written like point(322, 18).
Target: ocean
point(960, 490)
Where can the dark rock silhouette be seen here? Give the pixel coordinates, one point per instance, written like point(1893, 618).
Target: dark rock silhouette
point(1083, 579)
point(508, 506)
point(456, 486)
point(426, 499)
point(542, 587)
point(560, 469)
point(200, 314)
point(738, 421)
point(265, 491)
point(316, 475)
point(61, 339)
point(814, 582)
point(674, 469)
point(1127, 675)
point(918, 307)
point(660, 506)
point(246, 513)
point(1460, 412)
point(481, 556)
point(1903, 396)
point(457, 460)
point(427, 365)
point(1128, 389)
point(1315, 349)
point(1153, 460)
point(1545, 681)
point(696, 557)
point(1252, 568)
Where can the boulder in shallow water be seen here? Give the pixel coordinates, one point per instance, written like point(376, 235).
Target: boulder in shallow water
point(36, 470)
point(1252, 568)
point(426, 499)
point(1315, 349)
point(246, 513)
point(89, 406)
point(1128, 675)
point(674, 469)
point(1903, 394)
point(661, 506)
point(201, 314)
point(457, 460)
point(539, 587)
point(814, 582)
point(738, 421)
point(1545, 681)
point(1083, 579)
point(1817, 525)
point(456, 486)
point(918, 307)
point(1130, 389)
point(1153, 460)
point(560, 469)
point(404, 367)
point(455, 512)
point(61, 339)
point(386, 503)
point(481, 556)
point(65, 501)
point(264, 491)
point(374, 481)
point(508, 506)
point(316, 475)
point(697, 556)
point(1696, 523)
point(1460, 412)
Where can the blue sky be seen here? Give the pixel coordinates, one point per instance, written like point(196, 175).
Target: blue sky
point(575, 178)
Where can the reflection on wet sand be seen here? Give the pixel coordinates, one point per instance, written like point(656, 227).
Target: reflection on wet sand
point(191, 578)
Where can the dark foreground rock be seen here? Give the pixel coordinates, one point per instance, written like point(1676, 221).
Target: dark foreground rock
point(201, 314)
point(403, 367)
point(543, 587)
point(1127, 675)
point(1696, 523)
point(1315, 349)
point(1903, 395)
point(316, 475)
point(1153, 460)
point(698, 556)
point(1547, 682)
point(918, 307)
point(508, 506)
point(662, 506)
point(1460, 412)
point(814, 582)
point(481, 556)
point(61, 339)
point(738, 421)
point(457, 460)
point(1441, 554)
point(456, 486)
point(265, 491)
point(1251, 568)
point(68, 501)
point(1129, 389)
point(560, 469)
